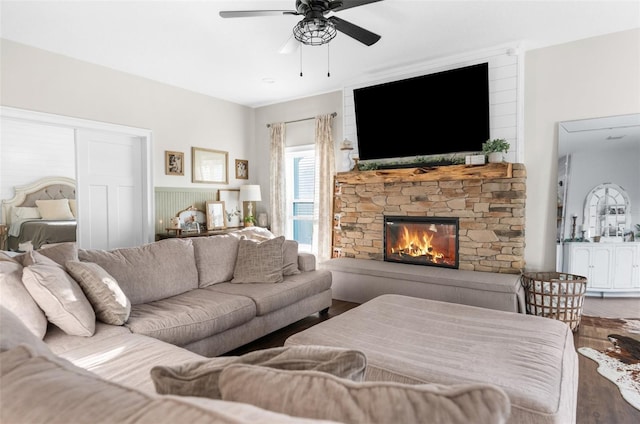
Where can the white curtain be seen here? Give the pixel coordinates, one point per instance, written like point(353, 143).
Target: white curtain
point(323, 202)
point(278, 191)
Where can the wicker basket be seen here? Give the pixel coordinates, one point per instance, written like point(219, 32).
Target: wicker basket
point(555, 295)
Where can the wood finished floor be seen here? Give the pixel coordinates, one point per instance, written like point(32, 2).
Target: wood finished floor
point(599, 400)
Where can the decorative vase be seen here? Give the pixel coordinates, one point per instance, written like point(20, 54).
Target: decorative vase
point(262, 219)
point(495, 157)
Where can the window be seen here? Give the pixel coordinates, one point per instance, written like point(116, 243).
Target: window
point(300, 174)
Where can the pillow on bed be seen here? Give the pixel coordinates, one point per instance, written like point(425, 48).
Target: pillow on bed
point(57, 209)
point(19, 213)
point(74, 207)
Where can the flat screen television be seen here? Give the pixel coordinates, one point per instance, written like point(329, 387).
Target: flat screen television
point(435, 114)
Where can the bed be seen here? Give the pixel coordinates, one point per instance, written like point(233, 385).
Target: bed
point(32, 223)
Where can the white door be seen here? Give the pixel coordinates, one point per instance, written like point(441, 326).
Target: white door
point(110, 190)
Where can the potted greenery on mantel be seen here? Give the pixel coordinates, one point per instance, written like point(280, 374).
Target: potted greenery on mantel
point(495, 149)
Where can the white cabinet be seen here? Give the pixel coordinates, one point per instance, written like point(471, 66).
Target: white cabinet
point(608, 267)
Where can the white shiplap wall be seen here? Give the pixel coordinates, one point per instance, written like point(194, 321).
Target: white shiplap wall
point(504, 89)
point(30, 151)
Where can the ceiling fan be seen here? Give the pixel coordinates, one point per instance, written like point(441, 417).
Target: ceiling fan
point(315, 28)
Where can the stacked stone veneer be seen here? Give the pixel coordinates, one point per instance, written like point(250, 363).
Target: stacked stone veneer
point(490, 211)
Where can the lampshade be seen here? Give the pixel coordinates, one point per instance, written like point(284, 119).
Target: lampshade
point(250, 193)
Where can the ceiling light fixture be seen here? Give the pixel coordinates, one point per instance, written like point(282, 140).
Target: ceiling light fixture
point(314, 31)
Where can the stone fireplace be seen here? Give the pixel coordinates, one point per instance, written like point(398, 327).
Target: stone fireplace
point(421, 240)
point(487, 200)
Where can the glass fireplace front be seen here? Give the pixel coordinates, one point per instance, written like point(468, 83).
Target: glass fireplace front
point(422, 240)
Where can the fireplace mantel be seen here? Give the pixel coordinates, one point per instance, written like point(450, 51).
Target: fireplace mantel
point(489, 201)
point(435, 173)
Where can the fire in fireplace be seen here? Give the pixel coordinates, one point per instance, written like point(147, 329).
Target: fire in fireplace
point(421, 240)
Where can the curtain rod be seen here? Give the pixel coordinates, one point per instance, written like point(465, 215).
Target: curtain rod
point(333, 115)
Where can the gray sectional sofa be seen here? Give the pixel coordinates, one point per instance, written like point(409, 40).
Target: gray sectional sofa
point(84, 335)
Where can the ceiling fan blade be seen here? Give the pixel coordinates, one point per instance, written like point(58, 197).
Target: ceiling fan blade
point(348, 4)
point(289, 46)
point(253, 13)
point(354, 31)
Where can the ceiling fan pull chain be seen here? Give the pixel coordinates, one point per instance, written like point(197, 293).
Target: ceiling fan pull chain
point(328, 62)
point(300, 59)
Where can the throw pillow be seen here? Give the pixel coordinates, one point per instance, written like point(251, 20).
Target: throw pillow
point(109, 302)
point(290, 257)
point(61, 299)
point(57, 209)
point(259, 262)
point(313, 394)
point(60, 253)
point(201, 378)
point(15, 298)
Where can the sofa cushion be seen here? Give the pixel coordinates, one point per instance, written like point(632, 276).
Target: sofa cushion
point(271, 297)
point(119, 356)
point(259, 262)
point(109, 302)
point(150, 272)
point(60, 297)
point(41, 389)
point(190, 316)
point(15, 297)
point(315, 394)
point(215, 258)
point(201, 378)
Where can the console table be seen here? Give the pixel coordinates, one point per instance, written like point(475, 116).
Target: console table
point(178, 233)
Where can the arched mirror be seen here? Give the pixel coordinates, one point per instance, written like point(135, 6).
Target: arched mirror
point(597, 158)
point(606, 213)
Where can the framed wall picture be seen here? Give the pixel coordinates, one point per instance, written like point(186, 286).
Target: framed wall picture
point(215, 215)
point(173, 163)
point(209, 166)
point(232, 208)
point(242, 169)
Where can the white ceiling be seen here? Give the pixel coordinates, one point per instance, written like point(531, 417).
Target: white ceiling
point(187, 44)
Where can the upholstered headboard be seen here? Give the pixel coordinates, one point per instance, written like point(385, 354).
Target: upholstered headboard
point(42, 189)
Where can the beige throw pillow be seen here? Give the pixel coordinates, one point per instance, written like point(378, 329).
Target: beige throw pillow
point(109, 302)
point(313, 394)
point(60, 253)
point(290, 257)
point(61, 299)
point(201, 378)
point(57, 209)
point(259, 262)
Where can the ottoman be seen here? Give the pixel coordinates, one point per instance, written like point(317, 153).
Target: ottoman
point(413, 340)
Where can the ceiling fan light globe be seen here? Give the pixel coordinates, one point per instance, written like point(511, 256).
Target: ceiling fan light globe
point(314, 32)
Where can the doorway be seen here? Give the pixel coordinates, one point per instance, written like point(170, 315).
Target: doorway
point(116, 160)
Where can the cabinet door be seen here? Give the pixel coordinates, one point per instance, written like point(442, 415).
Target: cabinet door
point(601, 267)
point(625, 268)
point(580, 262)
